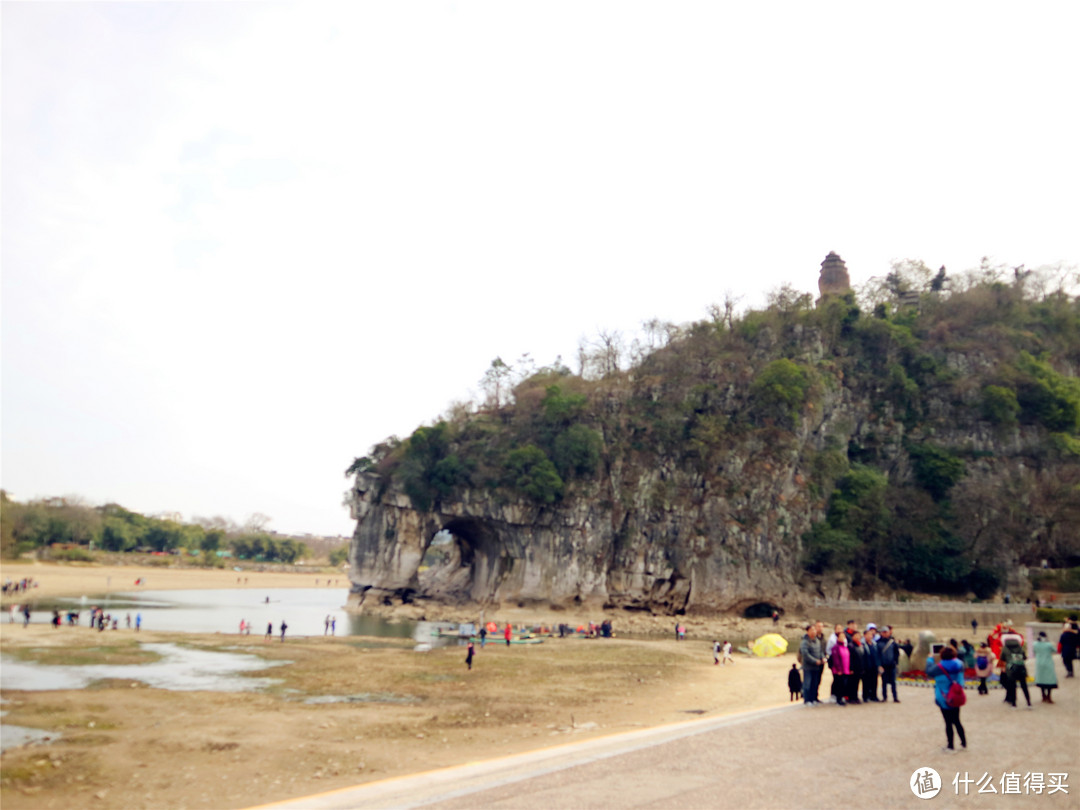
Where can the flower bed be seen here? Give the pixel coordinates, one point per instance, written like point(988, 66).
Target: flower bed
point(918, 677)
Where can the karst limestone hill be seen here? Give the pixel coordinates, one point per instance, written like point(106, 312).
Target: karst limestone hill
point(926, 438)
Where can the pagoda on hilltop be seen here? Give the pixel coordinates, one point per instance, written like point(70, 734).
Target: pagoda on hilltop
point(834, 278)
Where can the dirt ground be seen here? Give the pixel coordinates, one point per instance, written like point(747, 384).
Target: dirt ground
point(120, 744)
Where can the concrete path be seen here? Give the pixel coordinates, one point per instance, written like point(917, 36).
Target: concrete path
point(788, 756)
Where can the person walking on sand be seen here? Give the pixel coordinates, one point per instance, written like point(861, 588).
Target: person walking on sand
point(950, 671)
point(727, 654)
point(333, 625)
point(138, 622)
point(1045, 676)
point(1014, 672)
point(326, 623)
point(470, 651)
point(284, 627)
point(716, 652)
point(269, 630)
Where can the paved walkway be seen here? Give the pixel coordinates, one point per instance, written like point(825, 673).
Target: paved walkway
point(784, 757)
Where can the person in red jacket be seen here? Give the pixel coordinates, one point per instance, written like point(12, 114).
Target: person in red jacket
point(509, 631)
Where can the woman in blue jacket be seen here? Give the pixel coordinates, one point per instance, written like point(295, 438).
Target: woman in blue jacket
point(945, 674)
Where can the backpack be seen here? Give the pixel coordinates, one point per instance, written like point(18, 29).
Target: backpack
point(1016, 666)
point(982, 661)
point(955, 697)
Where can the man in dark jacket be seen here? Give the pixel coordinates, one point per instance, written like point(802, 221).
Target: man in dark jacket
point(858, 666)
point(813, 659)
point(872, 661)
point(1070, 640)
point(889, 657)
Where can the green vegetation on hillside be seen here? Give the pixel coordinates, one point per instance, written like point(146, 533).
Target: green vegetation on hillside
point(959, 464)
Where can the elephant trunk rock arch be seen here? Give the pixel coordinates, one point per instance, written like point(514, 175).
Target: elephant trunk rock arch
point(580, 552)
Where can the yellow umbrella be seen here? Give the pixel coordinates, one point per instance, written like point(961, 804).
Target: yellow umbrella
point(769, 645)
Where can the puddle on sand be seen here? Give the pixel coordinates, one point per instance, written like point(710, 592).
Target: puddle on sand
point(363, 697)
point(14, 736)
point(179, 669)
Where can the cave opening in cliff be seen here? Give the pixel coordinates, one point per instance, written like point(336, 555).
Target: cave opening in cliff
point(456, 561)
point(760, 610)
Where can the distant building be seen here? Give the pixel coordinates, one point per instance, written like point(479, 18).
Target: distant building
point(834, 278)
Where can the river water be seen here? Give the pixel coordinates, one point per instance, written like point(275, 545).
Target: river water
point(304, 610)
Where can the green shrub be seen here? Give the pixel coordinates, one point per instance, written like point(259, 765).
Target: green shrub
point(751, 325)
point(561, 408)
point(1054, 614)
point(71, 555)
point(530, 472)
point(901, 389)
point(577, 451)
point(828, 549)
point(429, 470)
point(936, 470)
point(779, 390)
point(999, 405)
point(1046, 397)
point(1064, 445)
point(983, 582)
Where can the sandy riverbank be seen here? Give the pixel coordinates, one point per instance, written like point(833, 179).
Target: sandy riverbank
point(88, 579)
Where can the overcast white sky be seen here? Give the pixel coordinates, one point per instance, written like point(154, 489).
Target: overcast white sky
point(244, 242)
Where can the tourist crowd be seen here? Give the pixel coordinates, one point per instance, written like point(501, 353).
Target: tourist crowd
point(858, 659)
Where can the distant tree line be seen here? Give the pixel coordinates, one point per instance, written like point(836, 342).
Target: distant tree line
point(68, 522)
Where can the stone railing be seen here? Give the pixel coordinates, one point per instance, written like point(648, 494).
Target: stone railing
point(920, 614)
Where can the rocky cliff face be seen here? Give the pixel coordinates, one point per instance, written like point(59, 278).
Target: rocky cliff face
point(662, 557)
point(655, 537)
